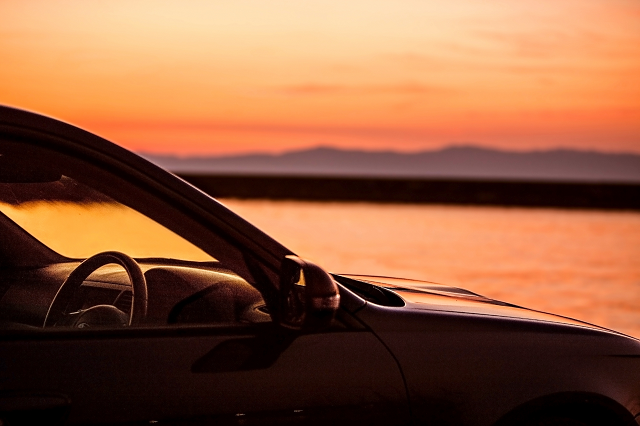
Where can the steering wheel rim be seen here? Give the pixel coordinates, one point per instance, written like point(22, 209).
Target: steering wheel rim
point(60, 303)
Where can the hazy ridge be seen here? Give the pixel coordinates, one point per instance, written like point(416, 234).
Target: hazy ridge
point(467, 162)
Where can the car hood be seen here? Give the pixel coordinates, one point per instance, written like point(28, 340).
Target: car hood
point(424, 295)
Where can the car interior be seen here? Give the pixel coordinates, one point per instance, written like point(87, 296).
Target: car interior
point(84, 247)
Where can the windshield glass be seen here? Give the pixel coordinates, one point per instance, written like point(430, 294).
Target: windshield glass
point(78, 221)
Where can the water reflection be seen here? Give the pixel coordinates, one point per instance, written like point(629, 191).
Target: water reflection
point(581, 264)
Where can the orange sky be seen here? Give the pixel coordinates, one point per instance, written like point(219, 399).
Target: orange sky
point(235, 76)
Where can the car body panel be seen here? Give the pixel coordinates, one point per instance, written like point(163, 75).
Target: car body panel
point(461, 368)
point(437, 297)
point(242, 377)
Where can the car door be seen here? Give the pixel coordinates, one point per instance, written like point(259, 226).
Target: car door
point(58, 207)
point(227, 375)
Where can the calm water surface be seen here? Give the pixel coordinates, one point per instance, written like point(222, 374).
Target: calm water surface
point(581, 264)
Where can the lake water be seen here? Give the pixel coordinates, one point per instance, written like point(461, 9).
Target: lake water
point(581, 264)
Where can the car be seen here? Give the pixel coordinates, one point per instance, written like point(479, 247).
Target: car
point(128, 296)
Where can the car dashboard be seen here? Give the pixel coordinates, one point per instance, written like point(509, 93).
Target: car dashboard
point(178, 293)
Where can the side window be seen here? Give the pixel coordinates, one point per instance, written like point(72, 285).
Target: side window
point(83, 248)
point(77, 221)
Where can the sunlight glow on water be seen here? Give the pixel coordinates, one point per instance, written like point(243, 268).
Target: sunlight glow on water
point(581, 264)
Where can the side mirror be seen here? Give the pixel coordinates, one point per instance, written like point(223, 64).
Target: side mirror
point(309, 297)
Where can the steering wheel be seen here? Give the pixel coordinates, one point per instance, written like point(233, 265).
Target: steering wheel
point(58, 315)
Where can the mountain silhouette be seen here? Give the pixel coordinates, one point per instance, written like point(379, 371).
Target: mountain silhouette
point(466, 162)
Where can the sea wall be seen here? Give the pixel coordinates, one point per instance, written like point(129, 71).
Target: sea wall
point(433, 191)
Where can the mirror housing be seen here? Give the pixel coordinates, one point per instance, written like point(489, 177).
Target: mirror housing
point(309, 298)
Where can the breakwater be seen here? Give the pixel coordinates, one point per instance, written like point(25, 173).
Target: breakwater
point(428, 191)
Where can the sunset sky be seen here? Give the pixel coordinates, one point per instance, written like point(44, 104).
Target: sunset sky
point(204, 77)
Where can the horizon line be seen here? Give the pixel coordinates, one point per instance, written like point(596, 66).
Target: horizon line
point(452, 146)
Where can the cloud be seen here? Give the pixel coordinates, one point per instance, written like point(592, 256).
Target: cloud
point(312, 89)
point(558, 44)
point(318, 89)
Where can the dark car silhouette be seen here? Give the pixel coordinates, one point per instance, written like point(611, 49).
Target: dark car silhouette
point(128, 296)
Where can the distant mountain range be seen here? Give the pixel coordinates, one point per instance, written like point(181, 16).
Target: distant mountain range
point(465, 162)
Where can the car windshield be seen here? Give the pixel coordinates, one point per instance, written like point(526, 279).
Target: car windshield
point(77, 221)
